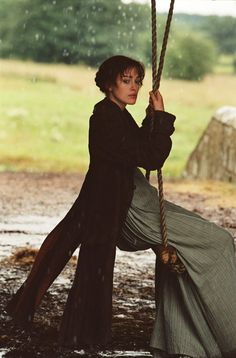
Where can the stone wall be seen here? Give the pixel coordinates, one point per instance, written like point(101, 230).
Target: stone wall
point(215, 154)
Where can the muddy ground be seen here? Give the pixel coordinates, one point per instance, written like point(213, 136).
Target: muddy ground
point(31, 204)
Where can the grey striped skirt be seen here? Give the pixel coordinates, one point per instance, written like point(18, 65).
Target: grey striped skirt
point(196, 312)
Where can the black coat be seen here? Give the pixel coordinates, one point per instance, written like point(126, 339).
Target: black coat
point(117, 146)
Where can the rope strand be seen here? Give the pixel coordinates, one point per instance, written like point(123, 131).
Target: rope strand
point(156, 77)
point(167, 254)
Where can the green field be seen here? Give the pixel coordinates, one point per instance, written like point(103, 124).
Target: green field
point(45, 110)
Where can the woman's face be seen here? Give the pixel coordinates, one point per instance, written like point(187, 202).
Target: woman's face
point(126, 89)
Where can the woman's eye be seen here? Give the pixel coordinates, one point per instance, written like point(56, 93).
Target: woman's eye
point(126, 81)
point(138, 82)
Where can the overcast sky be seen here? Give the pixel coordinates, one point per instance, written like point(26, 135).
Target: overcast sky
point(202, 7)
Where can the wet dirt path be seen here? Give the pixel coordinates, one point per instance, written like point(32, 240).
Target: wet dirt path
point(31, 205)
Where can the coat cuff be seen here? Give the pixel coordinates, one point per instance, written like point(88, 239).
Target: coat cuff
point(164, 122)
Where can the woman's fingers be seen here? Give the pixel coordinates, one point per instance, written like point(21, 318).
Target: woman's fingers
point(156, 101)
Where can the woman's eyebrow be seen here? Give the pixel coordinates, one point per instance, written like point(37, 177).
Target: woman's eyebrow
point(129, 76)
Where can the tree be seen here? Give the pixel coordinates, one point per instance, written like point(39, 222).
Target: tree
point(190, 57)
point(222, 31)
point(72, 31)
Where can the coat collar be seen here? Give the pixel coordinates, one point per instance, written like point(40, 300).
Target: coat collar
point(107, 104)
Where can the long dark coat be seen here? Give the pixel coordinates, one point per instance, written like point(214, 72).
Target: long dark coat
point(116, 145)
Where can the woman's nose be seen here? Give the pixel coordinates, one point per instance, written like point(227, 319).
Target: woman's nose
point(134, 85)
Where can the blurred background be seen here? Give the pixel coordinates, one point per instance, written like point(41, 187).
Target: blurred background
point(49, 54)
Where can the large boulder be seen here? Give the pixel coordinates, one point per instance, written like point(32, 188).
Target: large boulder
point(215, 154)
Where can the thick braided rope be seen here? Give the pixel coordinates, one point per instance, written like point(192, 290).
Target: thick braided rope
point(162, 209)
point(156, 77)
point(154, 42)
point(154, 59)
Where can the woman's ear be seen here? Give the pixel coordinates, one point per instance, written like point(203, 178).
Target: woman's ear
point(109, 87)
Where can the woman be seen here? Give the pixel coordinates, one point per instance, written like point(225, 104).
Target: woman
point(196, 312)
point(117, 146)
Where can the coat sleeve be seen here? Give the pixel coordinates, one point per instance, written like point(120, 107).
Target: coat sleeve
point(110, 139)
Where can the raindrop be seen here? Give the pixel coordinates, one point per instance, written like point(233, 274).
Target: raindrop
point(133, 27)
point(65, 53)
point(27, 12)
point(37, 36)
point(119, 7)
point(54, 2)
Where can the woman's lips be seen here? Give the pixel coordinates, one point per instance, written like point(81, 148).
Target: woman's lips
point(133, 96)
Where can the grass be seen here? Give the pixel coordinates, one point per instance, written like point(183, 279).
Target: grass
point(45, 110)
point(225, 65)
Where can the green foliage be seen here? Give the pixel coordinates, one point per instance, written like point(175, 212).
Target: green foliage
point(190, 57)
point(222, 31)
point(71, 31)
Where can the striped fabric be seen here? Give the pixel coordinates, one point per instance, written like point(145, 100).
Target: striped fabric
point(196, 312)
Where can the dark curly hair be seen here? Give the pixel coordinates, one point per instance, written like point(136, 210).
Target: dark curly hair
point(114, 66)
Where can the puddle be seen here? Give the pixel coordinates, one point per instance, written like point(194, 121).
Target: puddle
point(31, 224)
point(21, 231)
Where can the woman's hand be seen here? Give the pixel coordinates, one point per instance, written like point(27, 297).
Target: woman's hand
point(156, 101)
